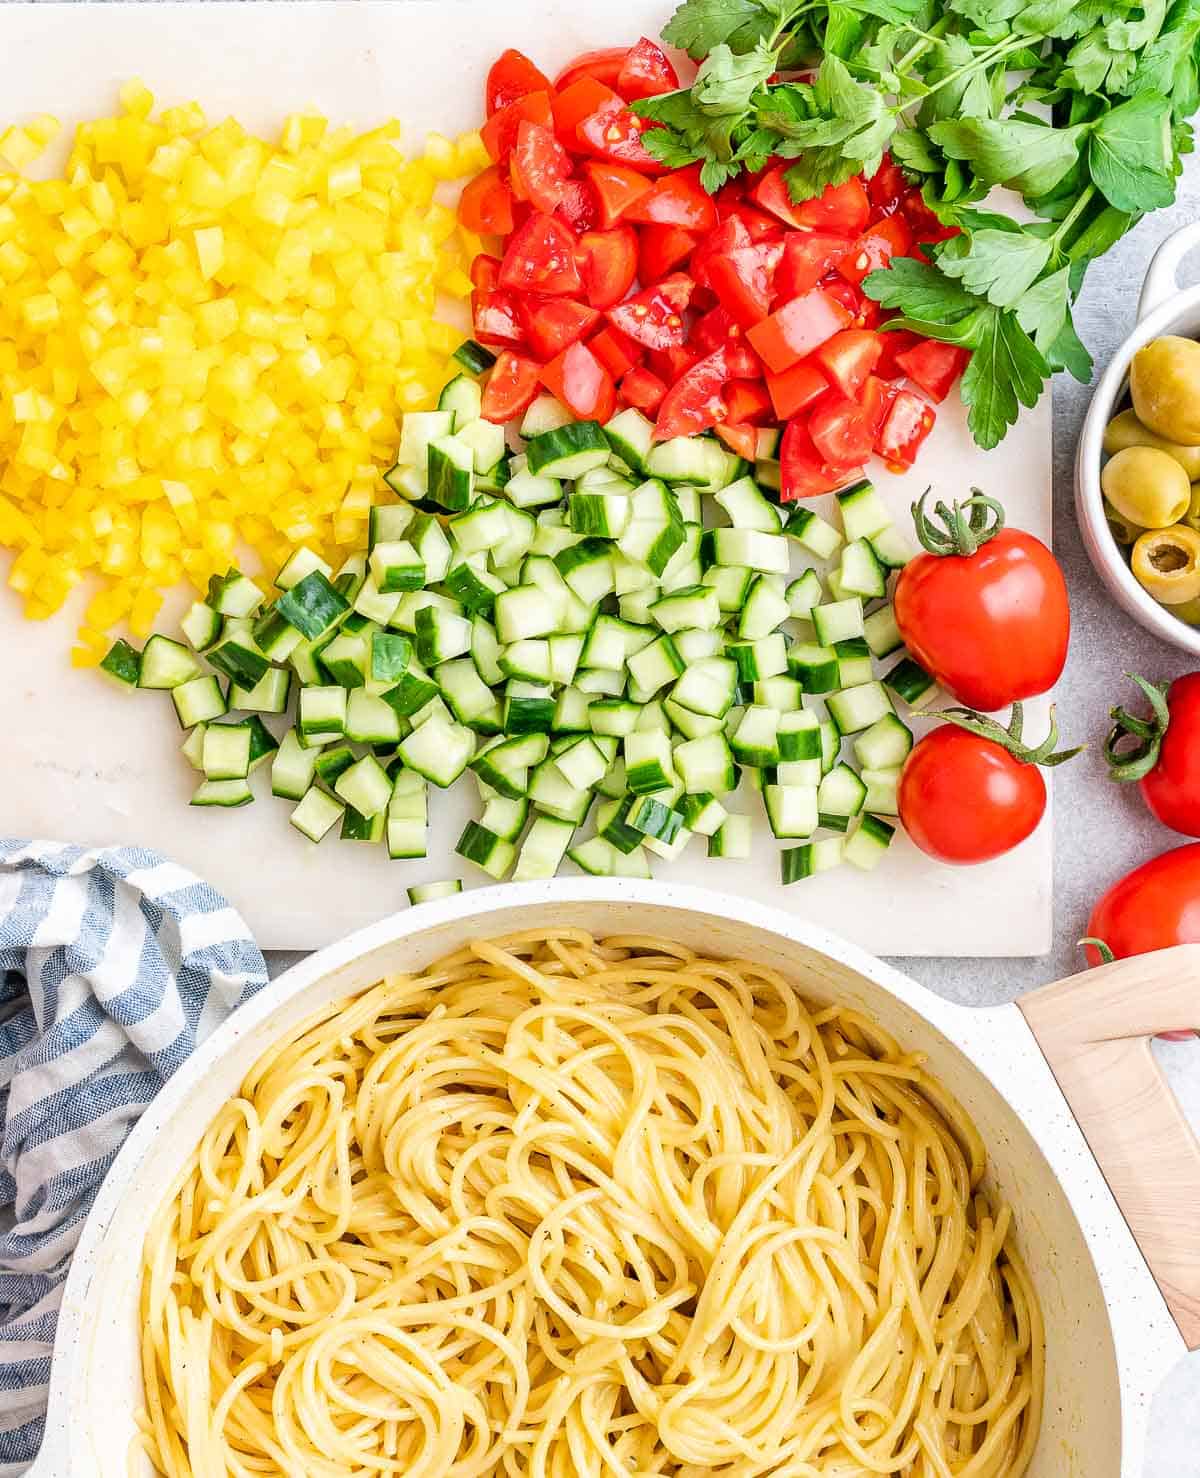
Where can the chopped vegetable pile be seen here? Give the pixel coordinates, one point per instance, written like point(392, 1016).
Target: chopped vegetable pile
point(562, 623)
point(621, 282)
point(208, 339)
point(947, 86)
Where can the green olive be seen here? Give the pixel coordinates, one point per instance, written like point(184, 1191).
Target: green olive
point(1164, 381)
point(1189, 611)
point(1126, 430)
point(1166, 563)
point(1192, 516)
point(1124, 531)
point(1147, 487)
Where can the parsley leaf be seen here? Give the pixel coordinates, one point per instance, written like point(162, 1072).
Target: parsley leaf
point(918, 290)
point(1029, 157)
point(699, 25)
point(1130, 152)
point(1006, 371)
point(725, 83)
point(999, 265)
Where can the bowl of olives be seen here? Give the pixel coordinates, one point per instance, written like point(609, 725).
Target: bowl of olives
point(1137, 470)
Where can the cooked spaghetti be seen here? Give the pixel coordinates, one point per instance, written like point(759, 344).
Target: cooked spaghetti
point(562, 1207)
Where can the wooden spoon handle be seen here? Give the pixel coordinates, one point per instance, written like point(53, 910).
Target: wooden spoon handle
point(1095, 1031)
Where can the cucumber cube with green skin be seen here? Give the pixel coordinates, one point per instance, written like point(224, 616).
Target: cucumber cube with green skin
point(654, 819)
point(359, 828)
point(867, 847)
point(293, 768)
point(317, 814)
point(123, 662)
point(322, 710)
point(163, 664)
point(235, 657)
point(474, 357)
point(568, 451)
point(450, 473)
point(413, 691)
point(202, 625)
point(301, 562)
point(910, 682)
point(332, 762)
point(732, 839)
point(365, 786)
point(486, 850)
point(812, 531)
point(313, 605)
point(347, 658)
point(430, 892)
point(528, 708)
point(797, 863)
point(648, 764)
point(397, 566)
point(226, 754)
point(543, 849)
point(391, 653)
point(387, 523)
point(863, 511)
point(227, 794)
point(234, 594)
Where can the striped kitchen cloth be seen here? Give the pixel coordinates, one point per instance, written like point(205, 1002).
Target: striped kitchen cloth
point(115, 964)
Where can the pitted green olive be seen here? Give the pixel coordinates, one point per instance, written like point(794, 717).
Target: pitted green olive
point(1189, 611)
point(1166, 563)
point(1192, 516)
point(1124, 530)
point(1126, 430)
point(1147, 487)
point(1164, 381)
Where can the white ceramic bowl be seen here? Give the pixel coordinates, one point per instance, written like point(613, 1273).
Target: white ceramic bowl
point(1110, 1332)
point(1164, 308)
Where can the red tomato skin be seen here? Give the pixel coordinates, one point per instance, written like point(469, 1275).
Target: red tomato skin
point(730, 235)
point(615, 351)
point(608, 264)
point(807, 257)
point(742, 280)
point(510, 387)
point(512, 77)
point(678, 199)
point(486, 204)
point(541, 166)
point(551, 324)
point(992, 628)
point(1153, 907)
point(694, 402)
point(840, 432)
point(616, 187)
point(496, 317)
point(578, 207)
point(964, 799)
point(485, 273)
point(740, 438)
point(796, 329)
point(654, 317)
point(603, 65)
point(887, 185)
point(802, 472)
point(645, 72)
point(499, 133)
point(580, 381)
point(909, 421)
point(1172, 788)
point(875, 248)
point(848, 359)
point(796, 389)
point(933, 367)
point(642, 389)
point(540, 257)
point(613, 132)
point(661, 249)
point(746, 400)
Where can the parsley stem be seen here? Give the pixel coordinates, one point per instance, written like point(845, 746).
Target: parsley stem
point(1074, 213)
point(983, 60)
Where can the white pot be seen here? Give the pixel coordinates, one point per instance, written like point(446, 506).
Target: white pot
point(1164, 308)
point(1111, 1334)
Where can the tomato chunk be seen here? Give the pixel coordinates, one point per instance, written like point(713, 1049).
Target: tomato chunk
point(512, 77)
point(887, 185)
point(486, 204)
point(496, 318)
point(743, 363)
point(603, 65)
point(730, 235)
point(485, 272)
point(840, 432)
point(616, 187)
point(540, 167)
point(678, 199)
point(908, 422)
point(540, 257)
point(672, 364)
point(742, 439)
point(655, 316)
point(645, 72)
point(848, 358)
point(875, 401)
point(608, 264)
point(552, 323)
point(875, 248)
point(661, 249)
point(616, 351)
point(807, 257)
point(717, 327)
point(694, 402)
point(796, 329)
point(845, 208)
point(743, 279)
point(746, 400)
point(802, 472)
point(510, 388)
point(578, 208)
point(580, 381)
point(796, 388)
point(933, 367)
point(499, 133)
point(612, 131)
point(642, 389)
point(758, 223)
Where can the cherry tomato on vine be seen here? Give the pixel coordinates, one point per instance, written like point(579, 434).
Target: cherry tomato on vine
point(985, 610)
point(972, 790)
point(1162, 753)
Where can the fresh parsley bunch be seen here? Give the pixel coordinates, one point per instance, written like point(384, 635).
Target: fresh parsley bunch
point(947, 87)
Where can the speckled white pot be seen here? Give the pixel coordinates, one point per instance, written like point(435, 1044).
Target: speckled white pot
point(1110, 1338)
point(1164, 308)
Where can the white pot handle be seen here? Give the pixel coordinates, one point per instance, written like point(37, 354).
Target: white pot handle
point(1162, 276)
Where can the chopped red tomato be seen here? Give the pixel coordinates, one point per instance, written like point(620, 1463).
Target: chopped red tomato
point(796, 329)
point(795, 389)
point(512, 76)
point(933, 367)
point(730, 235)
point(893, 343)
point(746, 400)
point(758, 223)
point(616, 351)
point(496, 317)
point(578, 379)
point(608, 264)
point(613, 132)
point(743, 363)
point(678, 199)
point(578, 208)
point(499, 133)
point(485, 272)
point(808, 256)
point(717, 327)
point(842, 208)
point(864, 311)
point(887, 185)
point(655, 316)
point(848, 358)
point(876, 401)
point(511, 387)
point(540, 257)
point(642, 389)
point(802, 472)
point(616, 187)
point(661, 249)
point(908, 423)
point(742, 280)
point(671, 364)
point(741, 439)
point(646, 72)
point(552, 323)
point(540, 167)
point(772, 194)
point(602, 66)
point(875, 248)
point(840, 432)
point(486, 204)
point(694, 402)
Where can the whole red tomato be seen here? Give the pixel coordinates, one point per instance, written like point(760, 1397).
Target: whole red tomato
point(1153, 907)
point(971, 790)
point(1164, 756)
point(985, 610)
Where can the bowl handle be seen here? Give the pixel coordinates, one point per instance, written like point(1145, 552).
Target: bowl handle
point(1095, 1031)
point(1162, 276)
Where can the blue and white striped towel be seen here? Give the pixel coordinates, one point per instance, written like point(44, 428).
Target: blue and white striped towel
point(114, 965)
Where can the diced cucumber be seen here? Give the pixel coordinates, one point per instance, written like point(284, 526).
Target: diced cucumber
point(707, 686)
point(732, 839)
point(756, 550)
point(293, 768)
point(696, 460)
point(313, 605)
point(202, 625)
point(474, 357)
point(568, 450)
point(234, 594)
point(860, 573)
point(868, 845)
point(631, 437)
point(863, 511)
point(756, 739)
point(440, 750)
point(791, 810)
point(317, 814)
point(891, 548)
point(732, 584)
point(692, 606)
point(747, 508)
point(766, 608)
point(545, 413)
point(543, 849)
point(798, 863)
point(228, 794)
point(838, 621)
point(124, 663)
point(463, 398)
point(489, 852)
point(854, 662)
point(813, 532)
point(882, 792)
point(803, 594)
point(911, 683)
point(882, 633)
point(648, 764)
point(706, 765)
point(164, 664)
point(841, 793)
point(418, 430)
point(431, 892)
point(858, 708)
point(814, 667)
point(322, 711)
point(885, 745)
point(450, 472)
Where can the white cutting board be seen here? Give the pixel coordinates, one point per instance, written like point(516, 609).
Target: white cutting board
point(83, 761)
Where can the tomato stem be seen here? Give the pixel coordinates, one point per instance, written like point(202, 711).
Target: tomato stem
point(1134, 744)
point(1012, 737)
point(1106, 955)
point(967, 527)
